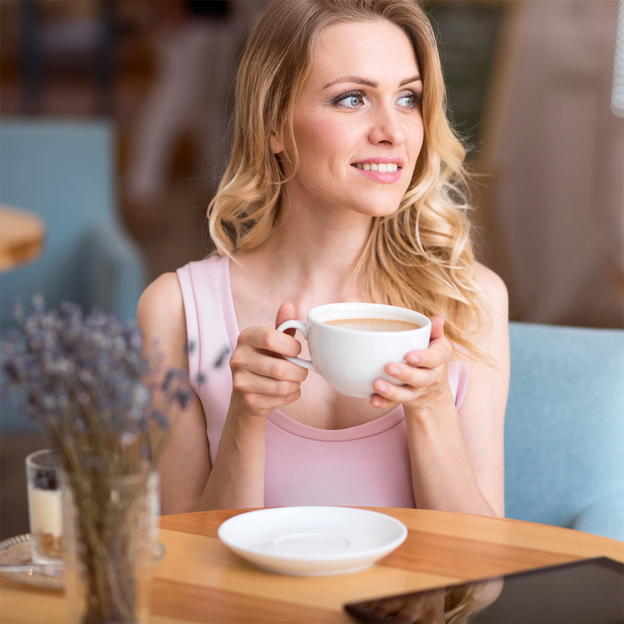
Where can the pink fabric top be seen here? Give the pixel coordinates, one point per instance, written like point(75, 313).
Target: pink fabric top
point(365, 465)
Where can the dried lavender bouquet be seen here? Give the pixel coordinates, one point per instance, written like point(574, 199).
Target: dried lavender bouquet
point(82, 380)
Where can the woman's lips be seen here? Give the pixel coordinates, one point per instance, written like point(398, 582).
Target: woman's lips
point(380, 176)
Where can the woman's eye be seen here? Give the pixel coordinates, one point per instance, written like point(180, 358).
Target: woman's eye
point(350, 100)
point(410, 100)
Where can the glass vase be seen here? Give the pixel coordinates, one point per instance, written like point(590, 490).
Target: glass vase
point(109, 541)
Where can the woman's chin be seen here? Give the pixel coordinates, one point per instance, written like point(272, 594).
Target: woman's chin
point(378, 208)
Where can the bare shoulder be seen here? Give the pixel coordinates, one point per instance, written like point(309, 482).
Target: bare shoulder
point(493, 288)
point(162, 299)
point(160, 314)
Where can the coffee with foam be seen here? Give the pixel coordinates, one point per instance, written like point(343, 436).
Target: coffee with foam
point(373, 324)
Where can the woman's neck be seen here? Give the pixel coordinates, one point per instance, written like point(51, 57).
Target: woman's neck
point(312, 254)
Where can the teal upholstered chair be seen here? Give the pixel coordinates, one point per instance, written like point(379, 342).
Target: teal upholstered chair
point(64, 171)
point(564, 430)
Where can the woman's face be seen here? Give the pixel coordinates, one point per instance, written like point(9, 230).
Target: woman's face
point(358, 126)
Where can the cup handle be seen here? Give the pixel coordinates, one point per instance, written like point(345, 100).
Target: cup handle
point(304, 330)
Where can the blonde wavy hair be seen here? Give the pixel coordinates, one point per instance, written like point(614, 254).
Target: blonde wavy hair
point(421, 256)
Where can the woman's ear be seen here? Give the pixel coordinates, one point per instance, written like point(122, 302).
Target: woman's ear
point(277, 147)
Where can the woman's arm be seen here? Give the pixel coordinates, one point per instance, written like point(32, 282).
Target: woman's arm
point(457, 459)
point(482, 413)
point(184, 464)
point(261, 384)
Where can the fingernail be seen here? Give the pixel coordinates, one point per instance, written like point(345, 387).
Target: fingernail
point(394, 371)
point(380, 385)
point(413, 359)
point(376, 402)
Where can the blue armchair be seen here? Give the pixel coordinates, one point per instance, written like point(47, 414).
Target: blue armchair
point(64, 172)
point(564, 428)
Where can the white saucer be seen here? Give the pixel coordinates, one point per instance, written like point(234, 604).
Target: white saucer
point(312, 541)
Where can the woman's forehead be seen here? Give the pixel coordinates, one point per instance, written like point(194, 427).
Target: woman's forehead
point(374, 49)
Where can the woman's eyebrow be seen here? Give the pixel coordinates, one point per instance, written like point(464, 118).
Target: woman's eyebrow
point(369, 83)
point(415, 78)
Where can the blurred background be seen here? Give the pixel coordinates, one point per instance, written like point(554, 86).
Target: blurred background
point(114, 132)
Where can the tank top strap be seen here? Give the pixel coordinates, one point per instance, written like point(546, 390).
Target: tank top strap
point(204, 292)
point(458, 380)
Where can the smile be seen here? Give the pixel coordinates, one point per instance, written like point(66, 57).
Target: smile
point(381, 167)
point(380, 172)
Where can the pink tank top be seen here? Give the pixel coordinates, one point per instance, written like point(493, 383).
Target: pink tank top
point(366, 465)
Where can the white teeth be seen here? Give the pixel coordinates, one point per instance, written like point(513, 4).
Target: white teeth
point(381, 167)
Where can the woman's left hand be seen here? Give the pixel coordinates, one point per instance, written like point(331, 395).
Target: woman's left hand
point(425, 376)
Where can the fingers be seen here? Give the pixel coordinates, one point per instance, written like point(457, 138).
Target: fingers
point(286, 312)
point(246, 383)
point(263, 404)
point(419, 383)
point(380, 402)
point(266, 374)
point(437, 327)
point(264, 382)
point(388, 394)
point(415, 381)
point(269, 366)
point(274, 375)
point(414, 376)
point(436, 355)
point(424, 371)
point(263, 338)
point(439, 352)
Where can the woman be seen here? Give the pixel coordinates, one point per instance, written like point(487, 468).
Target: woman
point(329, 94)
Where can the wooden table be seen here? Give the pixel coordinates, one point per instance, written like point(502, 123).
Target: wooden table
point(201, 581)
point(21, 237)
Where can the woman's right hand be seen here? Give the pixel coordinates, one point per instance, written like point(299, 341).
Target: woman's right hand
point(262, 380)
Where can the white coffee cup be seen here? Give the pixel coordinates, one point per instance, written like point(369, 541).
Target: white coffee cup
point(352, 359)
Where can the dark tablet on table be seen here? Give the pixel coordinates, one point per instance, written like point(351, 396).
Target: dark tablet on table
point(590, 591)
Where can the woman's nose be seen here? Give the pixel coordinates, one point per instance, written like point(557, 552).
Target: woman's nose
point(387, 127)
